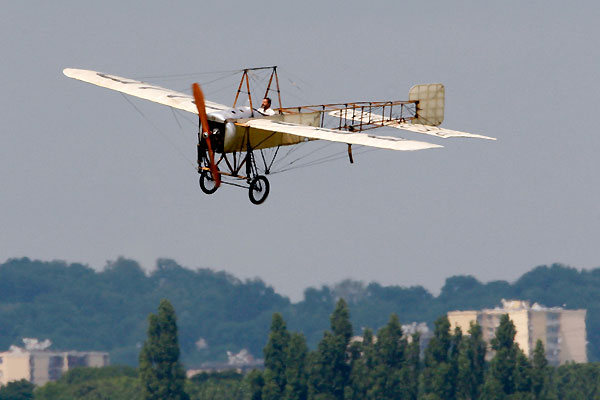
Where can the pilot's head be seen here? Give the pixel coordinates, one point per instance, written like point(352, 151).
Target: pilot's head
point(266, 103)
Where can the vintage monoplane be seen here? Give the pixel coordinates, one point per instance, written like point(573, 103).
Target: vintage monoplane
point(231, 139)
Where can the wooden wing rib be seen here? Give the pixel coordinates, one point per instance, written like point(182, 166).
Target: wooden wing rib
point(312, 132)
point(142, 90)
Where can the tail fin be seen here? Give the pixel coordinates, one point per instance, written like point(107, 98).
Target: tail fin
point(430, 106)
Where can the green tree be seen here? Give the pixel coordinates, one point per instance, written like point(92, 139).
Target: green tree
point(295, 369)
point(255, 383)
point(340, 321)
point(222, 385)
point(330, 364)
point(437, 376)
point(540, 372)
point(362, 365)
point(275, 358)
point(522, 376)
point(471, 364)
point(492, 389)
point(508, 369)
point(271, 389)
point(17, 390)
point(390, 379)
point(162, 376)
point(578, 381)
point(412, 367)
point(455, 343)
point(114, 382)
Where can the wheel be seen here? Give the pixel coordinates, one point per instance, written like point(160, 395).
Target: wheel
point(259, 189)
point(207, 183)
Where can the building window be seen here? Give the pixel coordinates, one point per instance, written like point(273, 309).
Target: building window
point(552, 329)
point(56, 362)
point(552, 316)
point(552, 340)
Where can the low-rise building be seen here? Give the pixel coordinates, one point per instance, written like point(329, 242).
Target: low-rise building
point(561, 331)
point(39, 365)
point(408, 330)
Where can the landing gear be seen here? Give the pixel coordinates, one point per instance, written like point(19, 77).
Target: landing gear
point(233, 165)
point(259, 189)
point(207, 182)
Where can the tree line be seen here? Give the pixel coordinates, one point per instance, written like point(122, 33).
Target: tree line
point(382, 365)
point(388, 366)
point(219, 312)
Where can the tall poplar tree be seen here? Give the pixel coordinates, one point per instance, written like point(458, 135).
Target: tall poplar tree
point(295, 369)
point(509, 372)
point(412, 367)
point(540, 372)
point(362, 364)
point(502, 366)
point(162, 376)
point(436, 379)
point(255, 383)
point(471, 364)
point(275, 359)
point(330, 366)
point(390, 378)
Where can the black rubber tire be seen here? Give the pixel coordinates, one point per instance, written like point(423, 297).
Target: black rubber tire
point(207, 183)
point(259, 186)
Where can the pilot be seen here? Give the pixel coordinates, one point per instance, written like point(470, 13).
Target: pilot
point(265, 107)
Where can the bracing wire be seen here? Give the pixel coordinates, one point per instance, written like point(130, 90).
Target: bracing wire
point(323, 160)
point(190, 74)
point(160, 132)
point(190, 77)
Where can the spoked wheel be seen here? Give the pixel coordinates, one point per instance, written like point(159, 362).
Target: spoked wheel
point(259, 189)
point(207, 183)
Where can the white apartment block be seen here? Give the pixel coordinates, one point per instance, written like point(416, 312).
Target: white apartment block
point(39, 366)
point(562, 331)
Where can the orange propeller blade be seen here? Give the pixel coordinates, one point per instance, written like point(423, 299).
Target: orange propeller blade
point(199, 100)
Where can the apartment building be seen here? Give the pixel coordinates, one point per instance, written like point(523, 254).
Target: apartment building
point(38, 365)
point(562, 331)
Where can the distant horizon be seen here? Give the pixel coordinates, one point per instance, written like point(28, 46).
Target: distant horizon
point(436, 293)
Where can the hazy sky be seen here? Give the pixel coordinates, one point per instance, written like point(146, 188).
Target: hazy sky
point(85, 178)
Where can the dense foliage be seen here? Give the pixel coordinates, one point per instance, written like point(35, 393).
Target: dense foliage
point(385, 366)
point(17, 390)
point(115, 383)
point(218, 312)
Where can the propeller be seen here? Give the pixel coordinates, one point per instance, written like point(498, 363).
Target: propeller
point(199, 99)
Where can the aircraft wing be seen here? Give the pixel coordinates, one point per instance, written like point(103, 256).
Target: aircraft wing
point(142, 90)
point(313, 132)
point(377, 119)
point(436, 131)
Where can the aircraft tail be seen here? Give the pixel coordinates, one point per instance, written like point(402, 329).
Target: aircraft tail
point(430, 106)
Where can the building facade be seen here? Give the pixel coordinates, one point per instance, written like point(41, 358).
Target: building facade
point(561, 331)
point(41, 366)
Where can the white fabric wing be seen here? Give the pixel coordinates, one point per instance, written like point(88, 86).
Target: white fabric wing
point(142, 90)
point(376, 119)
point(436, 131)
point(312, 132)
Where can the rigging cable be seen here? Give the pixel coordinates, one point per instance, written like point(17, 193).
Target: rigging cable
point(160, 132)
